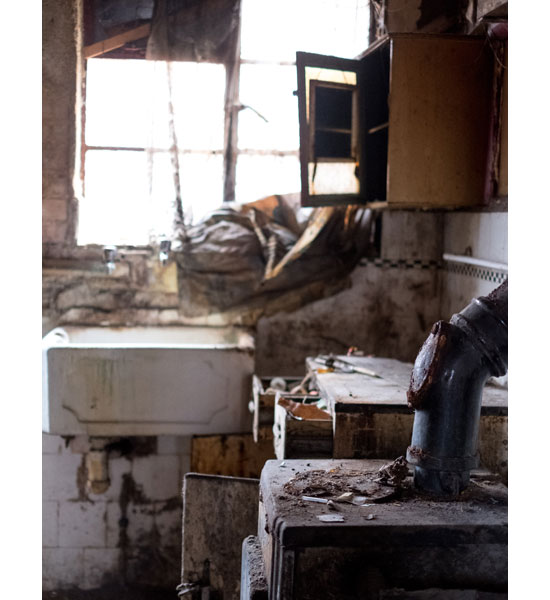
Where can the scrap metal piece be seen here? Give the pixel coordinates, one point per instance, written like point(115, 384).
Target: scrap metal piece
point(345, 366)
point(332, 518)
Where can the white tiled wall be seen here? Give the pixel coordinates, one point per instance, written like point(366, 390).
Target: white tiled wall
point(81, 532)
point(483, 236)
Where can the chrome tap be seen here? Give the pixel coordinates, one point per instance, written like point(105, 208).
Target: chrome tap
point(164, 251)
point(109, 255)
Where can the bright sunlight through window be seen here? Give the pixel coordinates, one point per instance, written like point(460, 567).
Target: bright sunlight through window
point(135, 131)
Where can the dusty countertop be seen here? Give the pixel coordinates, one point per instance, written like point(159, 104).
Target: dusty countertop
point(390, 389)
point(478, 513)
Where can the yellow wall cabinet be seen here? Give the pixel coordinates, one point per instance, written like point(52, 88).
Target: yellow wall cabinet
point(410, 123)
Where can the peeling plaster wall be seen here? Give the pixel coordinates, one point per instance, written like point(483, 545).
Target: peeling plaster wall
point(387, 311)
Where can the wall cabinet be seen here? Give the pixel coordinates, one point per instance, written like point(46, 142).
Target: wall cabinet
point(409, 123)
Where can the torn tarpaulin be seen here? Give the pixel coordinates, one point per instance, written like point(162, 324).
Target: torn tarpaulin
point(194, 30)
point(258, 252)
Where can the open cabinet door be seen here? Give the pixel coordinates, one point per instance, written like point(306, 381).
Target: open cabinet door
point(218, 514)
point(329, 117)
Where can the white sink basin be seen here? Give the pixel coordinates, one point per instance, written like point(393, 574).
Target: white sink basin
point(146, 380)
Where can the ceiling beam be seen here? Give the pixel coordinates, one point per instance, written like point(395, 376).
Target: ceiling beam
point(117, 41)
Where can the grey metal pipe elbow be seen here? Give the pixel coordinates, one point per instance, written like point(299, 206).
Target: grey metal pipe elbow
point(446, 388)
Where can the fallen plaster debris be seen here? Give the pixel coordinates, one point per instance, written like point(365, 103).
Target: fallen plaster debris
point(314, 499)
point(333, 518)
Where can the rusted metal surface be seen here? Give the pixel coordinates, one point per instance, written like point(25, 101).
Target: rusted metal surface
point(446, 388)
point(218, 514)
point(414, 541)
point(426, 363)
point(234, 455)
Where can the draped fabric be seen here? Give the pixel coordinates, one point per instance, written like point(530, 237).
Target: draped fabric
point(194, 30)
point(255, 257)
point(252, 255)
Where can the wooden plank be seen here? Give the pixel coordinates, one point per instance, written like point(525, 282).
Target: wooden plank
point(493, 444)
point(348, 391)
point(117, 41)
point(263, 401)
point(297, 438)
point(218, 514)
point(440, 107)
point(354, 388)
point(236, 455)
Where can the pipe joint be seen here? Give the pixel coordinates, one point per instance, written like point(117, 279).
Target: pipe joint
point(446, 387)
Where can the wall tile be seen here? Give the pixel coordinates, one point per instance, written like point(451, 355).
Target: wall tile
point(173, 444)
point(141, 523)
point(62, 568)
point(158, 476)
point(168, 523)
point(52, 444)
point(114, 513)
point(59, 476)
point(50, 538)
point(100, 565)
point(82, 525)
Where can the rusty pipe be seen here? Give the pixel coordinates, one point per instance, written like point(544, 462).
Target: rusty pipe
point(446, 387)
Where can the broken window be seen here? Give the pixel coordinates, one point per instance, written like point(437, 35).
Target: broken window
point(158, 135)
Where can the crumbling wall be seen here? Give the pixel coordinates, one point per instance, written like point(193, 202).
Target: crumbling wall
point(129, 535)
point(387, 309)
point(140, 291)
point(60, 89)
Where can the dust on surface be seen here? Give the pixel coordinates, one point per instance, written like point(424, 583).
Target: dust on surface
point(485, 493)
point(335, 482)
point(113, 592)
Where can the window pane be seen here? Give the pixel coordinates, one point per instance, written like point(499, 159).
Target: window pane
point(118, 208)
point(127, 104)
point(269, 89)
point(118, 102)
point(201, 184)
point(115, 208)
point(198, 93)
point(261, 176)
point(275, 30)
